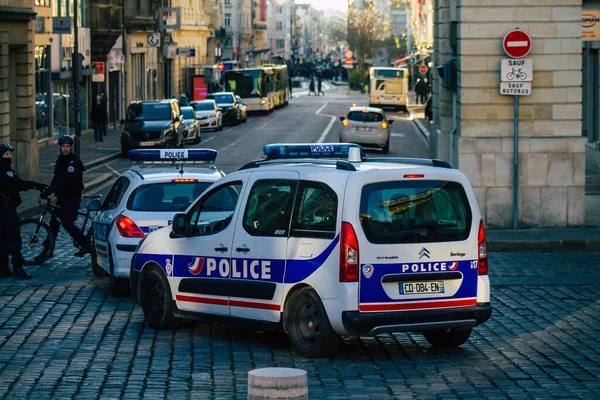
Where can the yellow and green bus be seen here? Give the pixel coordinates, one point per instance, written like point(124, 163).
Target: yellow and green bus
point(281, 84)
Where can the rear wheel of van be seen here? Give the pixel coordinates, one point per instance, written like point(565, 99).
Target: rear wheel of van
point(307, 324)
point(448, 338)
point(157, 301)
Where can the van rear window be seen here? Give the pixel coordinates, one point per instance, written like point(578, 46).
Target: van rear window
point(415, 212)
point(360, 116)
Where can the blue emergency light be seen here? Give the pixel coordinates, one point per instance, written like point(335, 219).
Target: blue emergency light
point(204, 156)
point(309, 150)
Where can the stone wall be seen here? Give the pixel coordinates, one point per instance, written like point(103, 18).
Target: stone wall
point(551, 148)
point(17, 101)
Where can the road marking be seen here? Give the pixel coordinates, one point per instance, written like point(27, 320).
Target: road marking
point(117, 173)
point(326, 131)
point(232, 144)
point(398, 134)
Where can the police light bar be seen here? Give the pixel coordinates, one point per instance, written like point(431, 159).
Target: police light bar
point(204, 156)
point(309, 150)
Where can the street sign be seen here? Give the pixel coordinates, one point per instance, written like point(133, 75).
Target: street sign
point(186, 51)
point(520, 70)
point(423, 69)
point(153, 39)
point(516, 43)
point(220, 66)
point(99, 65)
point(61, 25)
point(515, 88)
point(411, 61)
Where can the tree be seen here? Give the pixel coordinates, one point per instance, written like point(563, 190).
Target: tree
point(337, 30)
point(367, 29)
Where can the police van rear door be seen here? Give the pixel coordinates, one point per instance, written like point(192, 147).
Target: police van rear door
point(258, 258)
point(418, 244)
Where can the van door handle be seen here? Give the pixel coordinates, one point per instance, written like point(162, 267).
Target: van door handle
point(242, 249)
point(222, 248)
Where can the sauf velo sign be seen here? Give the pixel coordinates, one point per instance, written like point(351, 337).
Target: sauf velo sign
point(516, 73)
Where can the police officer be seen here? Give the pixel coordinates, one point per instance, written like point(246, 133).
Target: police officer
point(10, 224)
point(67, 185)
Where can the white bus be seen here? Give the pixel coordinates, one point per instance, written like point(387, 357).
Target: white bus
point(388, 87)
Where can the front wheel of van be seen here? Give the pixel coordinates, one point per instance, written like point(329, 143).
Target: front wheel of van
point(307, 324)
point(157, 301)
point(448, 338)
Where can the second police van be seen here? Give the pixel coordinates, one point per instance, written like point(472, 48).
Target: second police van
point(145, 198)
point(324, 248)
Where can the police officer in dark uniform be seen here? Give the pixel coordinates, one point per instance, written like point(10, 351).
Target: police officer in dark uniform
point(67, 185)
point(10, 224)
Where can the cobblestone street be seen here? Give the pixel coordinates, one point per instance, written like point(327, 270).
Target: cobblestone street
point(62, 335)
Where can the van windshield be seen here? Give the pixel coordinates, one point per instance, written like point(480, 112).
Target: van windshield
point(415, 212)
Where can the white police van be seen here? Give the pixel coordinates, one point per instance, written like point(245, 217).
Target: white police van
point(143, 199)
point(324, 248)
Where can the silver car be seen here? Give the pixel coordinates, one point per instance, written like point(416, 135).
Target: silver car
point(191, 125)
point(209, 114)
point(367, 126)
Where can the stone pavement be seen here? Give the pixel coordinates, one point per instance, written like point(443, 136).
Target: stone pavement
point(92, 154)
point(63, 336)
point(585, 238)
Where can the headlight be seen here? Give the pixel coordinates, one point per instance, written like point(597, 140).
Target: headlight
point(213, 115)
point(263, 102)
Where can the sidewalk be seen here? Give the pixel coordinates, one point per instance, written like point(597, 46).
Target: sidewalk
point(585, 238)
point(92, 154)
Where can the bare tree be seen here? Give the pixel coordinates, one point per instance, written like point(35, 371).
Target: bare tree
point(367, 29)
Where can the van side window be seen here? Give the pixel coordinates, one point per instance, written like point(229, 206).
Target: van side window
point(315, 212)
point(269, 207)
point(213, 213)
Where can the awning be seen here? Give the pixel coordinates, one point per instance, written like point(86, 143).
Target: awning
point(254, 52)
point(417, 59)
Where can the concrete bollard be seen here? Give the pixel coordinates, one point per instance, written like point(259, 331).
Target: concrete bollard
point(277, 383)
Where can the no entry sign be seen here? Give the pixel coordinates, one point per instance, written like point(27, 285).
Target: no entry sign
point(423, 69)
point(516, 43)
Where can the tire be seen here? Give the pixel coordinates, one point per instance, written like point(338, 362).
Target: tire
point(118, 287)
point(386, 149)
point(198, 138)
point(96, 268)
point(448, 338)
point(37, 246)
point(157, 300)
point(307, 324)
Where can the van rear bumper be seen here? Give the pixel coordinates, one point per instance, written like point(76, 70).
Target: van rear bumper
point(371, 324)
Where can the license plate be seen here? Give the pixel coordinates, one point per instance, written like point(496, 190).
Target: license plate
point(147, 144)
point(421, 287)
point(360, 128)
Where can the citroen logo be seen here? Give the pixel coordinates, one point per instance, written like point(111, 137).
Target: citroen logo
point(423, 253)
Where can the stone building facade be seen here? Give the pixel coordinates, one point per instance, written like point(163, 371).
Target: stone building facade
point(17, 101)
point(476, 121)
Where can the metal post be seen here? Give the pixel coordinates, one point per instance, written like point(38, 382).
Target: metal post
point(516, 164)
point(75, 69)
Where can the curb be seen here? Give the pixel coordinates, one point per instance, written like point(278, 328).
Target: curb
point(102, 160)
point(584, 245)
point(89, 187)
point(424, 131)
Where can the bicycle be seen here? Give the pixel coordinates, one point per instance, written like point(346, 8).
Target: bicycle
point(38, 239)
point(516, 74)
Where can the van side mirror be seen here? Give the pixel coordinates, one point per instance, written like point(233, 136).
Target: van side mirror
point(180, 225)
point(94, 205)
point(390, 121)
point(342, 118)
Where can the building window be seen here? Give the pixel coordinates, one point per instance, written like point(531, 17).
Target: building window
point(228, 42)
point(280, 43)
point(279, 25)
point(42, 3)
point(227, 19)
point(227, 2)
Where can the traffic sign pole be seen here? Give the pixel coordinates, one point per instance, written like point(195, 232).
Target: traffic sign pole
point(75, 63)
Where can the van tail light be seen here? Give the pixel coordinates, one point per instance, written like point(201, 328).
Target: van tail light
point(345, 122)
point(482, 250)
point(127, 228)
point(384, 125)
point(348, 254)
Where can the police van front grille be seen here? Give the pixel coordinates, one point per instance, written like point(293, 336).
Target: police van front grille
point(150, 135)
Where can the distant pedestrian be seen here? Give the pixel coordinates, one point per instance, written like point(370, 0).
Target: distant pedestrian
point(319, 83)
point(311, 87)
point(98, 118)
point(422, 91)
point(291, 85)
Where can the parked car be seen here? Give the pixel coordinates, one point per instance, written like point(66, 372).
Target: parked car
point(366, 126)
point(154, 123)
point(191, 124)
point(243, 109)
point(208, 114)
point(228, 105)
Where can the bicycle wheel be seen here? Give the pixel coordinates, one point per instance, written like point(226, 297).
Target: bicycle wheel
point(38, 241)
